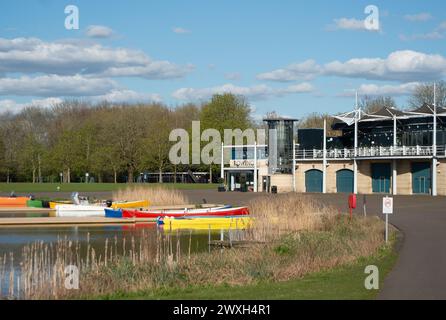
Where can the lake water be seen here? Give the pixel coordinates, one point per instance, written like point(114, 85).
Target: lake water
point(14, 239)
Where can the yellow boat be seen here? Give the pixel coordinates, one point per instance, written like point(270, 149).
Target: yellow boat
point(206, 223)
point(53, 204)
point(115, 205)
point(130, 204)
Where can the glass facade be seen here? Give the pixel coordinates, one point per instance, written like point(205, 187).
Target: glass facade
point(284, 133)
point(240, 180)
point(246, 153)
point(410, 132)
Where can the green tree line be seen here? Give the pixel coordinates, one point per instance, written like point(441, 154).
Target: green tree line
point(110, 142)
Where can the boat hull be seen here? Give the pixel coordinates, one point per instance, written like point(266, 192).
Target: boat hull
point(13, 202)
point(72, 210)
point(113, 213)
point(130, 204)
point(53, 204)
point(219, 211)
point(206, 223)
point(34, 203)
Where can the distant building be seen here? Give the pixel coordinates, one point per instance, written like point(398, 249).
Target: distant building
point(273, 165)
point(389, 151)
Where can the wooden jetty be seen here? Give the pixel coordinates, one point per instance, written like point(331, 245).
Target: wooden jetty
point(234, 243)
point(68, 221)
point(24, 210)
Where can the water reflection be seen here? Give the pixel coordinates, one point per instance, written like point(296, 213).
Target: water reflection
point(119, 239)
point(13, 239)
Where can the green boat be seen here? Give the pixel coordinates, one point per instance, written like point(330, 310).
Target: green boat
point(34, 204)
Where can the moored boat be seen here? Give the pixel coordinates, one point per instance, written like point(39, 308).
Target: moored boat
point(114, 205)
point(34, 204)
point(14, 202)
point(73, 210)
point(215, 211)
point(130, 204)
point(113, 213)
point(206, 222)
point(53, 204)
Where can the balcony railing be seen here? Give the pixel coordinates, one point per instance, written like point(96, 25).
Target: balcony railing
point(367, 152)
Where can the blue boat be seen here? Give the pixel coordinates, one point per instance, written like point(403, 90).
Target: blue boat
point(113, 213)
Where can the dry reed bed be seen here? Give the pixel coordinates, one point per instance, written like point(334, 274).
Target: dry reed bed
point(278, 214)
point(291, 237)
point(158, 196)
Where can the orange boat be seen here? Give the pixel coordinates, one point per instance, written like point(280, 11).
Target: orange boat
point(13, 202)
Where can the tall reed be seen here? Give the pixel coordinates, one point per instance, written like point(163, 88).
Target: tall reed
point(275, 215)
point(157, 196)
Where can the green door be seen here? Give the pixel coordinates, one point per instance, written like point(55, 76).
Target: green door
point(344, 181)
point(421, 177)
point(381, 177)
point(313, 180)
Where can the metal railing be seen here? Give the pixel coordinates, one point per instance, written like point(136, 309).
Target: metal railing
point(366, 152)
point(319, 154)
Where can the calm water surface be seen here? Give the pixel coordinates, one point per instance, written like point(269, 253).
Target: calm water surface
point(14, 239)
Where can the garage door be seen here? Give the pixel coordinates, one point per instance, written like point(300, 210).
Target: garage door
point(421, 177)
point(313, 180)
point(381, 177)
point(344, 181)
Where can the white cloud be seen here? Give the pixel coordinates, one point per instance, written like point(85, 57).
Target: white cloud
point(156, 70)
point(434, 35)
point(419, 17)
point(403, 66)
point(31, 55)
point(18, 44)
point(127, 96)
point(54, 85)
point(437, 34)
point(114, 96)
point(95, 31)
point(180, 30)
point(442, 26)
point(306, 70)
point(258, 92)
point(347, 24)
point(304, 87)
point(13, 106)
point(384, 90)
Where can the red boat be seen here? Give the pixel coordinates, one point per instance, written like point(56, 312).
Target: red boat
point(218, 211)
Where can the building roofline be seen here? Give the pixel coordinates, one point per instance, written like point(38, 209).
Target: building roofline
point(279, 119)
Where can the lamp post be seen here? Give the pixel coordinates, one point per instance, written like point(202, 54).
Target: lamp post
point(61, 177)
point(86, 177)
point(434, 145)
point(324, 161)
point(355, 165)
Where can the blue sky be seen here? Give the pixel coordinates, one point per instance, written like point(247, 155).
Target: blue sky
point(294, 57)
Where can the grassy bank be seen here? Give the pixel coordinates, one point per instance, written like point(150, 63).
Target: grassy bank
point(345, 282)
point(93, 187)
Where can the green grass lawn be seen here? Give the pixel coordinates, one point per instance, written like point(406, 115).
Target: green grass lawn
point(85, 187)
point(345, 282)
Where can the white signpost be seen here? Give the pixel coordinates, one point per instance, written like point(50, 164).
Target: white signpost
point(387, 209)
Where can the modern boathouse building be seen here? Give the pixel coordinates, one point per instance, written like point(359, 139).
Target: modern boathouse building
point(389, 151)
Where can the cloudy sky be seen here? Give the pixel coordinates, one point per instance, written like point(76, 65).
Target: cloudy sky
point(294, 57)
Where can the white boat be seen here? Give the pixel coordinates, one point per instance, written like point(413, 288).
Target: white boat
point(79, 210)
